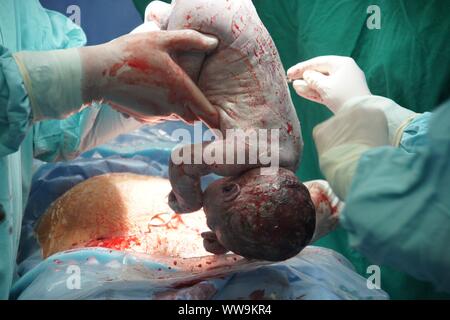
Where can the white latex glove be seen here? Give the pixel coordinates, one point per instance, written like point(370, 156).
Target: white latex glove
point(329, 80)
point(328, 207)
point(338, 82)
point(342, 140)
point(135, 74)
point(398, 117)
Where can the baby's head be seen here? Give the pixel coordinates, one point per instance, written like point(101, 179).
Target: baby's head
point(266, 217)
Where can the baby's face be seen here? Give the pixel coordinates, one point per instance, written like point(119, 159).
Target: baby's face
point(218, 200)
point(262, 217)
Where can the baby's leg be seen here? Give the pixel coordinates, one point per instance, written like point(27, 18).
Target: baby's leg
point(189, 163)
point(228, 158)
point(244, 77)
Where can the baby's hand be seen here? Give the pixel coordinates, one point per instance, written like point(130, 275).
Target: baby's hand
point(212, 244)
point(329, 80)
point(328, 207)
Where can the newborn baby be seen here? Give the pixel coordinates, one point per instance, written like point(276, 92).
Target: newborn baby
point(245, 80)
point(268, 217)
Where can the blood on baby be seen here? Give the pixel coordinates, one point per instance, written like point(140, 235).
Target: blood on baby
point(289, 128)
point(235, 29)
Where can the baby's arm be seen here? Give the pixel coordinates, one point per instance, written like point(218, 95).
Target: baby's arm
point(186, 195)
point(227, 158)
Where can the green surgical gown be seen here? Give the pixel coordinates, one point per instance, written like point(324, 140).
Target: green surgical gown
point(398, 209)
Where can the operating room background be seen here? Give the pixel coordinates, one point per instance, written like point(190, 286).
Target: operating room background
point(406, 60)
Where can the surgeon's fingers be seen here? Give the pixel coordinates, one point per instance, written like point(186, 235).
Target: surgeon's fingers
point(304, 90)
point(159, 13)
point(189, 40)
point(189, 95)
point(316, 81)
point(323, 64)
point(320, 64)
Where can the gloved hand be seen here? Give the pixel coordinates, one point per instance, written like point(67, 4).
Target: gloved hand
point(135, 74)
point(398, 118)
point(342, 140)
point(328, 207)
point(338, 83)
point(329, 80)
